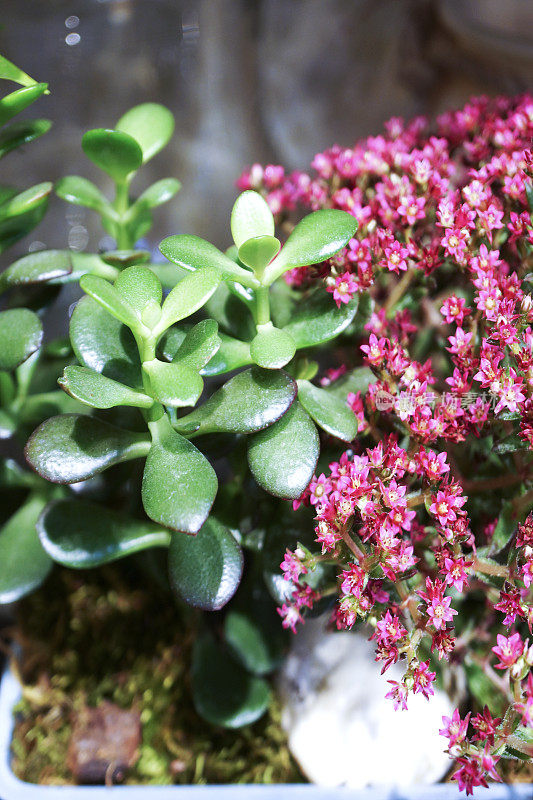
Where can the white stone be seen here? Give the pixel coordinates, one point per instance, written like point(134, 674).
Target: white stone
point(342, 730)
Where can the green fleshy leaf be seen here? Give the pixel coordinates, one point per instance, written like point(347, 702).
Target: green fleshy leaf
point(232, 354)
point(82, 192)
point(317, 319)
point(25, 564)
point(174, 385)
point(249, 402)
point(109, 298)
point(38, 407)
point(16, 227)
point(95, 390)
point(199, 345)
point(151, 125)
point(205, 569)
point(139, 287)
point(74, 447)
point(21, 133)
point(259, 251)
point(114, 152)
point(224, 693)
point(158, 193)
point(26, 201)
point(329, 412)
point(283, 458)
point(357, 380)
point(255, 639)
point(505, 528)
point(192, 253)
point(121, 259)
point(44, 265)
point(272, 348)
point(12, 104)
point(10, 72)
point(230, 313)
point(250, 217)
point(21, 335)
point(82, 535)
point(12, 476)
point(8, 424)
point(190, 294)
point(104, 344)
point(511, 444)
point(179, 484)
point(317, 237)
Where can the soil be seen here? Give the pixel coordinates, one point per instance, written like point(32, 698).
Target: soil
point(93, 639)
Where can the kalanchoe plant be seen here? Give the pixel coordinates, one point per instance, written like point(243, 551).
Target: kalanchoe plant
point(424, 529)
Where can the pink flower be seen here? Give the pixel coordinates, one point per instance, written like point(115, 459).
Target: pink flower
point(455, 728)
point(509, 649)
point(454, 309)
point(343, 289)
point(423, 679)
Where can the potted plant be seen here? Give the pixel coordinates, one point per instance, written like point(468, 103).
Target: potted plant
point(410, 449)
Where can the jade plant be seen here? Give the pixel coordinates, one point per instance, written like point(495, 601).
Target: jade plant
point(140, 351)
point(174, 372)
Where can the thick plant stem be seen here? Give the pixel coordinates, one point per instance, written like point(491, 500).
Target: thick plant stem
point(262, 305)
point(122, 203)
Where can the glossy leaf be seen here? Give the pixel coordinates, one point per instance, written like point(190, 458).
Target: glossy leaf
point(10, 72)
point(12, 104)
point(20, 133)
point(190, 294)
point(174, 385)
point(248, 402)
point(12, 476)
point(95, 390)
point(272, 348)
point(125, 258)
point(317, 319)
point(254, 637)
point(109, 298)
point(74, 447)
point(205, 569)
point(138, 286)
point(82, 192)
point(258, 252)
point(357, 380)
point(224, 693)
point(199, 345)
point(179, 484)
point(13, 228)
point(250, 217)
point(315, 238)
point(192, 253)
point(104, 344)
point(115, 152)
point(329, 412)
point(283, 458)
point(38, 407)
point(82, 535)
point(232, 354)
point(151, 125)
point(38, 267)
point(158, 193)
point(230, 313)
point(24, 563)
point(21, 334)
point(25, 201)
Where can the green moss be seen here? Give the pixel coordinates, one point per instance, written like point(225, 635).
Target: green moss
point(90, 636)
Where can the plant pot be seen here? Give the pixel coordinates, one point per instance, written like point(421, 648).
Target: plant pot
point(11, 788)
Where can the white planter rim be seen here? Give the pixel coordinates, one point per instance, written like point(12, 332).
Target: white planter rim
point(11, 788)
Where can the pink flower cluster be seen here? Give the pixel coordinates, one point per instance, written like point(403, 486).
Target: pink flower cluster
point(423, 516)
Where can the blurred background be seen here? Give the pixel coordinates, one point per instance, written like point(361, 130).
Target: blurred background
point(273, 81)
